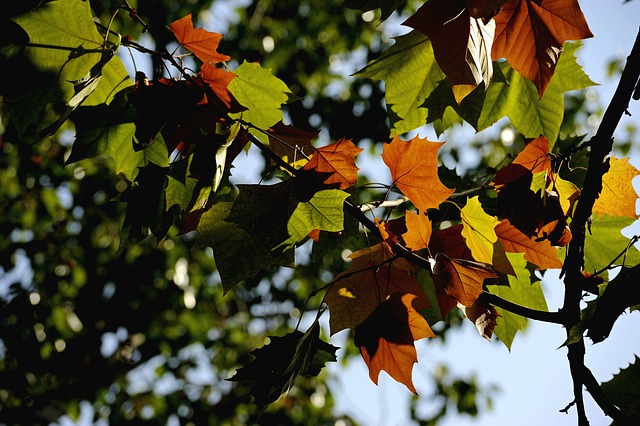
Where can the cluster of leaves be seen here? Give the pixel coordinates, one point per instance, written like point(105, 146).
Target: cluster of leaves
point(174, 140)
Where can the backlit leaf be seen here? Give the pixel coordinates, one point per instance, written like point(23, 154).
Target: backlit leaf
point(371, 278)
point(461, 279)
point(386, 339)
point(540, 253)
point(604, 242)
point(478, 230)
point(218, 79)
point(337, 162)
point(418, 231)
point(203, 43)
point(483, 316)
point(618, 197)
point(530, 35)
point(414, 170)
point(624, 390)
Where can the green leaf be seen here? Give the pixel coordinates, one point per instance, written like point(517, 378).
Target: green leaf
point(277, 364)
point(64, 40)
point(604, 242)
point(519, 99)
point(262, 93)
point(521, 291)
point(323, 211)
point(410, 72)
point(432, 313)
point(624, 389)
point(244, 234)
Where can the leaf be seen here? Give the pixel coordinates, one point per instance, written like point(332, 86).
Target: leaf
point(461, 279)
point(484, 8)
point(623, 390)
point(483, 316)
point(336, 163)
point(278, 364)
point(418, 231)
point(243, 234)
point(203, 43)
point(461, 43)
point(410, 73)
point(618, 197)
point(540, 253)
point(218, 80)
point(534, 159)
point(530, 35)
point(450, 241)
point(478, 230)
point(521, 291)
point(621, 293)
point(604, 242)
point(262, 93)
point(386, 338)
point(414, 170)
point(519, 99)
point(372, 277)
point(324, 211)
point(291, 143)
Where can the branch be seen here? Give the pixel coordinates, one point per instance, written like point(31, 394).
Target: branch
point(544, 316)
point(601, 146)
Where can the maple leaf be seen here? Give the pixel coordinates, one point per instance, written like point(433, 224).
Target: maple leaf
point(386, 339)
point(336, 163)
point(218, 79)
point(291, 143)
point(203, 43)
point(450, 242)
point(540, 253)
point(477, 230)
point(414, 170)
point(530, 34)
point(461, 279)
point(484, 8)
point(618, 197)
point(462, 44)
point(418, 231)
point(534, 158)
point(372, 277)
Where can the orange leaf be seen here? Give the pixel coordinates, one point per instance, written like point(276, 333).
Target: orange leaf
point(461, 43)
point(370, 279)
point(338, 161)
point(540, 253)
point(534, 158)
point(386, 339)
point(418, 231)
point(618, 197)
point(530, 34)
point(414, 170)
point(218, 79)
point(461, 279)
point(202, 43)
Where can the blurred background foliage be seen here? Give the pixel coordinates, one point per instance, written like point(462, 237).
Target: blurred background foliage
point(148, 337)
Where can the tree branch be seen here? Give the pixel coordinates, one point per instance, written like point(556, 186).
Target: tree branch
point(544, 316)
point(601, 145)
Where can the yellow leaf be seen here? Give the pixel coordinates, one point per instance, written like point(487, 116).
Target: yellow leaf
point(618, 198)
point(478, 230)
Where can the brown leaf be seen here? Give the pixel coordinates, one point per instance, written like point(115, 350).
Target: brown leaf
point(530, 34)
point(414, 170)
point(461, 43)
point(290, 142)
point(450, 241)
point(534, 158)
point(371, 278)
point(540, 253)
point(203, 43)
point(461, 279)
point(386, 339)
point(483, 315)
point(337, 161)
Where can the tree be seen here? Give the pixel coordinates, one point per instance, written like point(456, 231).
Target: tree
point(118, 194)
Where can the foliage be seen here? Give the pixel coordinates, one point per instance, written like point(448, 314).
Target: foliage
point(125, 223)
